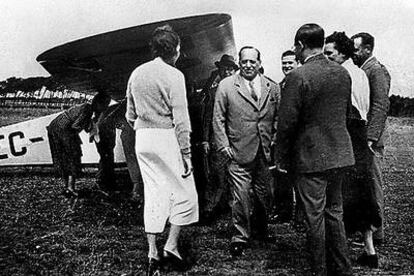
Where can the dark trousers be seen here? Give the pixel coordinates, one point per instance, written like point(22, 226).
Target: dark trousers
point(376, 176)
point(200, 174)
point(128, 145)
point(250, 184)
point(284, 183)
point(217, 192)
point(106, 171)
point(361, 210)
point(321, 194)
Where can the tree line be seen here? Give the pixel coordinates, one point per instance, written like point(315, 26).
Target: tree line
point(38, 92)
point(399, 106)
point(32, 84)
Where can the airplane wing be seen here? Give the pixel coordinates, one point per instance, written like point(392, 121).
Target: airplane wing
point(103, 62)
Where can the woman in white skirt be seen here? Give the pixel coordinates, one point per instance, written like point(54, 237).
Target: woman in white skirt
point(157, 109)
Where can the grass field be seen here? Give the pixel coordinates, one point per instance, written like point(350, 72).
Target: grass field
point(43, 233)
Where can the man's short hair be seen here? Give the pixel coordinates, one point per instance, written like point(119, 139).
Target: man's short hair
point(366, 39)
point(343, 44)
point(288, 53)
point(311, 35)
point(249, 47)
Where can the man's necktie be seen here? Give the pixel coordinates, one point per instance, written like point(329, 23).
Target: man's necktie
point(252, 91)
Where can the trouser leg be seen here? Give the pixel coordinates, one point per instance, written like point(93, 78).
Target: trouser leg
point(200, 177)
point(263, 199)
point(211, 190)
point(105, 174)
point(217, 191)
point(338, 262)
point(300, 218)
point(312, 188)
point(284, 196)
point(223, 191)
point(128, 144)
point(376, 177)
point(240, 180)
point(297, 199)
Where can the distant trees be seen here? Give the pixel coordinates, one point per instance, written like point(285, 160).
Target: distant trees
point(10, 85)
point(43, 92)
point(13, 84)
point(401, 106)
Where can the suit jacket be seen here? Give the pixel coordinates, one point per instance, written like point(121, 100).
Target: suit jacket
point(379, 86)
point(282, 83)
point(241, 123)
point(312, 117)
point(209, 92)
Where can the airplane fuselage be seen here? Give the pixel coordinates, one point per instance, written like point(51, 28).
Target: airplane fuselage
point(27, 143)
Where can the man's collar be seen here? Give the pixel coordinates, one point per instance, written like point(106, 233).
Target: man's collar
point(311, 56)
point(368, 60)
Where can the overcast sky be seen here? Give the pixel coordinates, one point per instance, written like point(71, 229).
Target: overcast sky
point(30, 27)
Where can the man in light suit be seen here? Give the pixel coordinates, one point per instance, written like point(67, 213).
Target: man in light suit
point(217, 192)
point(244, 120)
point(312, 130)
point(379, 86)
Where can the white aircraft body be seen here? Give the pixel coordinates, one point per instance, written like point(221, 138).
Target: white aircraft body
point(27, 143)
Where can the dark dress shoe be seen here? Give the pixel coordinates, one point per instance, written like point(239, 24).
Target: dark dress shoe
point(153, 268)
point(173, 262)
point(368, 260)
point(237, 248)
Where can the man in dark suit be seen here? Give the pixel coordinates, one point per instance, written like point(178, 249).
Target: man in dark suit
point(284, 182)
point(379, 86)
point(244, 120)
point(104, 135)
point(312, 130)
point(116, 119)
